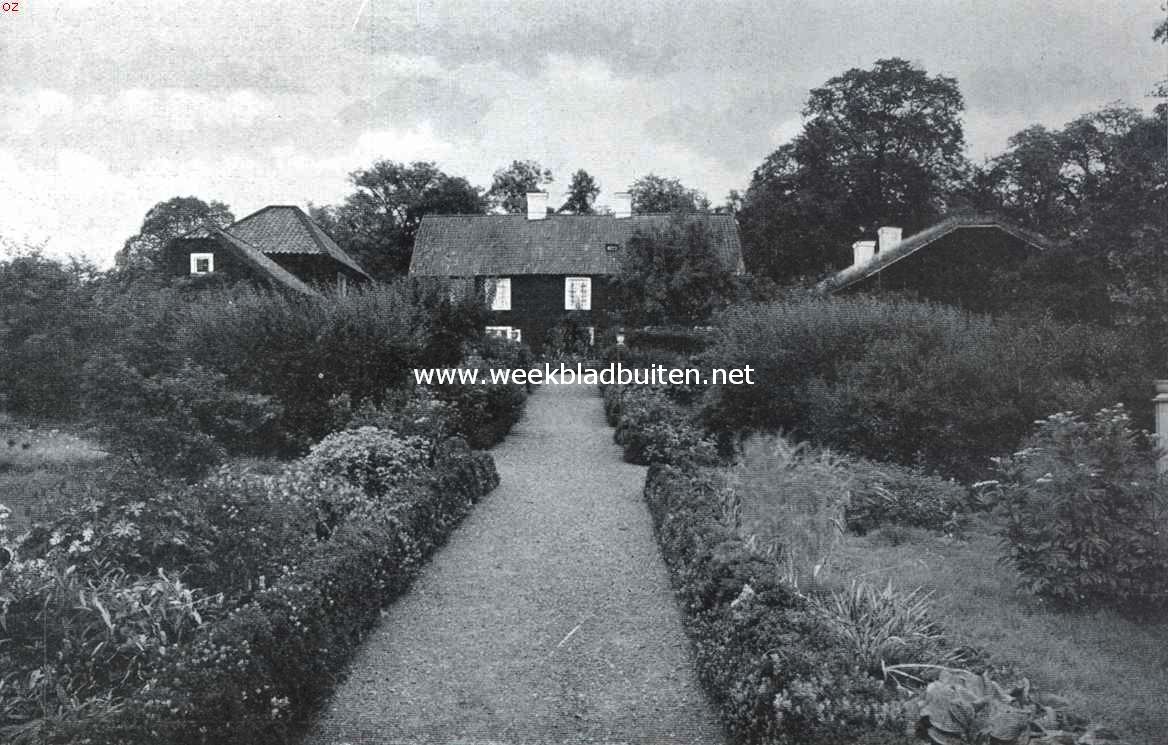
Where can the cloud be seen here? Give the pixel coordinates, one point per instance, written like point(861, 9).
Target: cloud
point(442, 102)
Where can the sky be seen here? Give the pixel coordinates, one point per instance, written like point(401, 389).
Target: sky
point(107, 108)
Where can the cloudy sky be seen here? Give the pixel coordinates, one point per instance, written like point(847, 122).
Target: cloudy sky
point(109, 107)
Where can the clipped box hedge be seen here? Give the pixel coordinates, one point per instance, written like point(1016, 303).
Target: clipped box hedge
point(260, 673)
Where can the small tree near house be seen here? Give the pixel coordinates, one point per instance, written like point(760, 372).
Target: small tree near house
point(673, 275)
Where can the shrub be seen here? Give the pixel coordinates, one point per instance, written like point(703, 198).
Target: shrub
point(372, 459)
point(653, 429)
point(913, 383)
point(180, 423)
point(888, 494)
point(1084, 512)
point(482, 414)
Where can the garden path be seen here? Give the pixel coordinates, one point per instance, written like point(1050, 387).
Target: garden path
point(548, 617)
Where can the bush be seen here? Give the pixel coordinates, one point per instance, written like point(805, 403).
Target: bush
point(372, 459)
point(180, 423)
point(918, 384)
point(888, 494)
point(653, 429)
point(482, 414)
point(1085, 513)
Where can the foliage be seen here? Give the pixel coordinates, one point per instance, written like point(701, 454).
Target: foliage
point(376, 224)
point(140, 256)
point(48, 325)
point(882, 146)
point(181, 423)
point(907, 382)
point(482, 414)
point(672, 275)
point(1085, 513)
point(582, 193)
point(653, 429)
point(372, 459)
point(888, 494)
point(792, 499)
point(658, 194)
point(510, 185)
point(884, 627)
point(961, 707)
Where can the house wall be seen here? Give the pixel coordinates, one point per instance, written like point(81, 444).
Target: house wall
point(315, 269)
point(537, 306)
point(956, 269)
point(176, 259)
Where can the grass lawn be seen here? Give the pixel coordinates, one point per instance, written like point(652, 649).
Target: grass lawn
point(1112, 669)
point(36, 462)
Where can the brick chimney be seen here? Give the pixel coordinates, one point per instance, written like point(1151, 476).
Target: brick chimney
point(622, 204)
point(889, 237)
point(862, 252)
point(537, 202)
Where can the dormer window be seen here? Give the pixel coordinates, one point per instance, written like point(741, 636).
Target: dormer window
point(202, 263)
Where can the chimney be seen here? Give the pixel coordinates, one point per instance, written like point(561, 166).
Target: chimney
point(537, 202)
point(622, 204)
point(862, 252)
point(889, 237)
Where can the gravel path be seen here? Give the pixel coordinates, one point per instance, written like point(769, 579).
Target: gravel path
point(547, 618)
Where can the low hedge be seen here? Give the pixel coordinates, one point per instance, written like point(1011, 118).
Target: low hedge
point(259, 673)
point(651, 428)
point(770, 666)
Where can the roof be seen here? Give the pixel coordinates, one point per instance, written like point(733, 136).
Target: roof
point(258, 260)
point(285, 229)
point(491, 245)
point(926, 237)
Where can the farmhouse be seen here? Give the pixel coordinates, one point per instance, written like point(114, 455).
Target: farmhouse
point(951, 261)
point(278, 246)
point(544, 270)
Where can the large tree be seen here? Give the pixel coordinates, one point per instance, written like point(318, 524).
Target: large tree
point(882, 146)
point(165, 221)
point(582, 193)
point(653, 193)
point(510, 185)
point(378, 221)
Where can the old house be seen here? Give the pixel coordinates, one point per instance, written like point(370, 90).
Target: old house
point(951, 261)
point(278, 246)
point(543, 270)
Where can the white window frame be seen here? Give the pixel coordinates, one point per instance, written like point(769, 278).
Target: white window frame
point(515, 334)
point(501, 298)
point(503, 331)
point(342, 284)
point(585, 297)
point(591, 335)
point(197, 257)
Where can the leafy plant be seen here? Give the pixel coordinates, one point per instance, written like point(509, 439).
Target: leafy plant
point(1084, 512)
point(962, 708)
point(372, 459)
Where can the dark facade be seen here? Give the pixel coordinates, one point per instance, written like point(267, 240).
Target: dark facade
point(538, 308)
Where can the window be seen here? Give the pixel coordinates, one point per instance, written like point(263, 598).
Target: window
point(342, 284)
point(591, 335)
point(501, 299)
point(577, 293)
point(505, 332)
point(611, 247)
point(202, 263)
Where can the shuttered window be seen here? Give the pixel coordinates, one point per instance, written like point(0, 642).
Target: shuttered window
point(578, 293)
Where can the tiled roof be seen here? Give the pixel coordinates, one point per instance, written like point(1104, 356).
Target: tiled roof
point(489, 245)
point(283, 229)
point(258, 260)
point(929, 235)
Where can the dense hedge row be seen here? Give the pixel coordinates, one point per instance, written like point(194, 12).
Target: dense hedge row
point(913, 383)
point(223, 611)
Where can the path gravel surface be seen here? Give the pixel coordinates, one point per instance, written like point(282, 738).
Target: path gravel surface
point(547, 618)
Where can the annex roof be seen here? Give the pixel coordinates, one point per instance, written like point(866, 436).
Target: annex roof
point(917, 241)
point(285, 229)
point(492, 245)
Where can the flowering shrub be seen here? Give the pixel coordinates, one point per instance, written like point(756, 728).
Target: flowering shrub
point(653, 429)
point(888, 494)
point(1085, 512)
point(372, 459)
point(483, 414)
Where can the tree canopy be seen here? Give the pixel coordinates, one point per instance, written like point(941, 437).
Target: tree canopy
point(882, 146)
point(653, 193)
point(377, 223)
point(582, 193)
point(165, 221)
point(672, 275)
point(510, 185)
